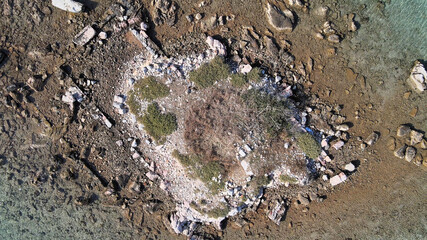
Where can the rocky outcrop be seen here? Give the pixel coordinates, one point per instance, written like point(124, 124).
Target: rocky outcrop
point(281, 20)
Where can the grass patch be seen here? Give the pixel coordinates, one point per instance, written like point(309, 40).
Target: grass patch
point(271, 110)
point(207, 74)
point(202, 170)
point(308, 145)
point(133, 103)
point(257, 182)
point(239, 80)
point(254, 75)
point(157, 124)
point(218, 212)
point(286, 178)
point(150, 89)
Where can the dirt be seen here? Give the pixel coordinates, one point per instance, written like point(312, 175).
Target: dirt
point(383, 199)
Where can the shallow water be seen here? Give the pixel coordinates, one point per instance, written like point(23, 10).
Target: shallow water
point(389, 40)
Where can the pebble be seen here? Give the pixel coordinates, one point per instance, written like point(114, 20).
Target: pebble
point(338, 145)
point(343, 127)
point(334, 38)
point(403, 130)
point(416, 137)
point(303, 200)
point(400, 152)
point(410, 154)
point(391, 144)
point(199, 16)
point(372, 139)
point(413, 112)
point(119, 143)
point(102, 35)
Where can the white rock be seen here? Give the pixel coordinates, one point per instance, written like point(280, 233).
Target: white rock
point(337, 179)
point(247, 168)
point(68, 5)
point(343, 127)
point(247, 148)
point(418, 77)
point(136, 155)
point(416, 137)
point(119, 143)
point(144, 26)
point(325, 177)
point(119, 99)
point(242, 153)
point(350, 167)
point(338, 144)
point(102, 35)
point(84, 36)
point(245, 68)
point(122, 111)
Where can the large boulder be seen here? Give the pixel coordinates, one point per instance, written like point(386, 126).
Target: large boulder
point(281, 20)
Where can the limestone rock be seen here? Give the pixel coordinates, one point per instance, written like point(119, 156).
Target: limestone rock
point(416, 137)
point(281, 20)
point(350, 167)
point(403, 130)
point(418, 77)
point(68, 5)
point(400, 152)
point(410, 154)
point(372, 139)
point(84, 36)
point(337, 179)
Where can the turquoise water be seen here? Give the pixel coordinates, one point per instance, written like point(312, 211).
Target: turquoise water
point(391, 37)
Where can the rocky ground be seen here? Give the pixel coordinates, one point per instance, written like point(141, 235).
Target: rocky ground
point(73, 165)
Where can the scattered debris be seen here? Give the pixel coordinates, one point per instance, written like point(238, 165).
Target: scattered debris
point(68, 5)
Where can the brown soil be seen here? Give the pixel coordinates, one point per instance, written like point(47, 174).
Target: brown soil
point(384, 199)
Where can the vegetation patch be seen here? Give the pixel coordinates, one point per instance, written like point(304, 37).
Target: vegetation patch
point(239, 80)
point(132, 102)
point(207, 74)
point(158, 124)
point(218, 212)
point(150, 89)
point(308, 145)
point(206, 172)
point(273, 112)
point(286, 178)
point(254, 75)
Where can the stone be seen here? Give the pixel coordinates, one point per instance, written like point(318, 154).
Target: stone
point(423, 144)
point(352, 27)
point(296, 3)
point(281, 20)
point(339, 144)
point(372, 139)
point(245, 68)
point(391, 144)
point(84, 36)
point(337, 179)
point(119, 99)
point(343, 127)
point(277, 213)
point(400, 152)
point(68, 5)
point(403, 130)
point(410, 154)
point(144, 26)
point(418, 77)
point(303, 200)
point(334, 38)
point(102, 35)
point(190, 18)
point(416, 137)
point(199, 16)
point(413, 112)
point(350, 167)
point(35, 83)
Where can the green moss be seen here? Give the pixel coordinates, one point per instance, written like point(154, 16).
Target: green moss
point(133, 103)
point(204, 171)
point(254, 75)
point(308, 145)
point(273, 112)
point(286, 178)
point(238, 80)
point(207, 74)
point(150, 89)
point(218, 212)
point(158, 124)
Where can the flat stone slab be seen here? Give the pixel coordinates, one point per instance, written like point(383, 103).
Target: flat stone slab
point(84, 36)
point(281, 20)
point(68, 5)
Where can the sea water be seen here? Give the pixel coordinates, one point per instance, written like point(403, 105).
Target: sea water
point(390, 38)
